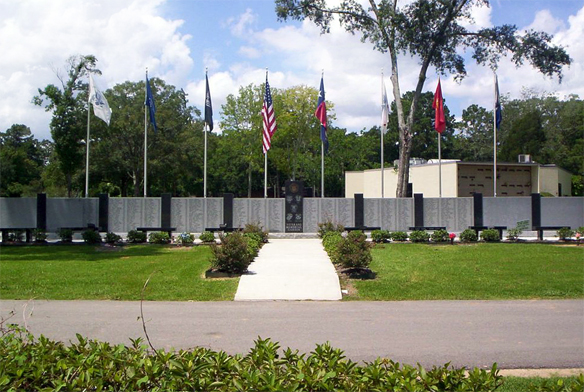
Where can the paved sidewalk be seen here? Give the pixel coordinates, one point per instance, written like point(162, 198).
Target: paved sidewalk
point(290, 269)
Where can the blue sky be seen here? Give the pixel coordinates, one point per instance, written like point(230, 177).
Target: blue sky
point(237, 40)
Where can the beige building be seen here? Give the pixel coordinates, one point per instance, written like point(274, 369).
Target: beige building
point(463, 179)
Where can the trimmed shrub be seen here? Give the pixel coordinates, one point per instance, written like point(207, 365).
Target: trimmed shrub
point(233, 255)
point(490, 235)
point(380, 236)
point(440, 236)
point(565, 233)
point(331, 241)
point(159, 237)
point(514, 233)
point(419, 236)
point(136, 237)
point(91, 237)
point(112, 238)
point(257, 229)
point(354, 251)
point(327, 226)
point(207, 236)
point(399, 236)
point(185, 239)
point(65, 235)
point(39, 235)
point(468, 235)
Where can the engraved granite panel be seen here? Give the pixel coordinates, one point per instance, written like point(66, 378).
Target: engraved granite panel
point(134, 212)
point(276, 215)
point(346, 211)
point(327, 211)
point(448, 213)
point(562, 211)
point(64, 212)
point(18, 212)
point(506, 211)
point(257, 209)
point(387, 214)
point(179, 214)
point(241, 213)
point(464, 210)
point(214, 211)
point(405, 213)
point(431, 211)
point(116, 216)
point(152, 212)
point(372, 216)
point(311, 215)
point(195, 215)
point(90, 211)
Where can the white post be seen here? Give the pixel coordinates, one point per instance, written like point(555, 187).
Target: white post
point(382, 111)
point(322, 169)
point(145, 134)
point(439, 165)
point(266, 175)
point(87, 148)
point(495, 142)
point(205, 164)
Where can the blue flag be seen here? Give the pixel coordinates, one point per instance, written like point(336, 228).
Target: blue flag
point(498, 114)
point(150, 103)
point(320, 113)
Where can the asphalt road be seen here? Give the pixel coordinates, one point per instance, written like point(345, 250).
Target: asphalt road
point(515, 334)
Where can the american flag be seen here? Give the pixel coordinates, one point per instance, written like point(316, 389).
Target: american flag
point(269, 118)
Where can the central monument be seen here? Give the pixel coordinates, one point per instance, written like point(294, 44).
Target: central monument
point(294, 208)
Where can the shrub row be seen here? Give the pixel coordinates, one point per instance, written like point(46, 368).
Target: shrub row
point(87, 365)
point(238, 249)
point(352, 251)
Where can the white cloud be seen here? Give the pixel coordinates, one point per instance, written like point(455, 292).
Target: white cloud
point(545, 21)
point(242, 25)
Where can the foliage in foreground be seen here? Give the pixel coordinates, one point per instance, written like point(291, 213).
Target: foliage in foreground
point(236, 252)
point(42, 364)
point(352, 251)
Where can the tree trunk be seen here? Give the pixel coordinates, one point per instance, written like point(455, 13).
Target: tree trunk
point(249, 181)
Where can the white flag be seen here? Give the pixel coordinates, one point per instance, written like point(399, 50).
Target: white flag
point(100, 106)
point(384, 111)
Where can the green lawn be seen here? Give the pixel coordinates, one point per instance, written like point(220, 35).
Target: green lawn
point(88, 272)
point(527, 384)
point(477, 271)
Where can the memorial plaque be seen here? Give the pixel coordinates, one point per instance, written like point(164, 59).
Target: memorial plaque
point(90, 211)
point(133, 212)
point(327, 211)
point(275, 215)
point(371, 208)
point(116, 215)
point(178, 217)
point(195, 221)
point(294, 206)
point(214, 211)
point(346, 212)
point(310, 215)
point(152, 212)
point(432, 212)
point(240, 212)
point(448, 214)
point(389, 208)
point(257, 208)
point(464, 213)
point(405, 215)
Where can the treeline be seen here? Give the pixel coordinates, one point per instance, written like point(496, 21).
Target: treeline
point(549, 129)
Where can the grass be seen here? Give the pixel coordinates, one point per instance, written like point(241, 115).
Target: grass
point(529, 384)
point(98, 273)
point(477, 271)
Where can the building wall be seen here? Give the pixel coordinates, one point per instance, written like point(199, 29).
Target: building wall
point(354, 183)
point(551, 176)
point(426, 179)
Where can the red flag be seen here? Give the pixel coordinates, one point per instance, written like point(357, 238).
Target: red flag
point(438, 106)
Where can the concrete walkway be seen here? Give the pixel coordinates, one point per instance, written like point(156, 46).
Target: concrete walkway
point(290, 269)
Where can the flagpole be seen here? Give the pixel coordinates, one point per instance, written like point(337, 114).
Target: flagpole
point(87, 142)
point(322, 157)
point(266, 160)
point(205, 130)
point(439, 165)
point(382, 109)
point(145, 133)
point(495, 138)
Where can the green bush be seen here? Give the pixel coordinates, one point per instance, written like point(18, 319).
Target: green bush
point(185, 239)
point(159, 237)
point(580, 230)
point(207, 236)
point(514, 233)
point(419, 236)
point(39, 235)
point(31, 364)
point(66, 235)
point(490, 235)
point(399, 236)
point(331, 241)
point(91, 236)
point(136, 237)
point(112, 238)
point(468, 235)
point(380, 236)
point(257, 229)
point(565, 233)
point(440, 236)
point(327, 226)
point(233, 255)
point(354, 251)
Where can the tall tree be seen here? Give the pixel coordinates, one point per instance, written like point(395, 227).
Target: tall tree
point(474, 142)
point(434, 31)
point(69, 111)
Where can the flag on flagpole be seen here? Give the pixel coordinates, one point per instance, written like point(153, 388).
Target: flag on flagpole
point(498, 114)
point(150, 103)
point(208, 106)
point(101, 108)
point(320, 113)
point(269, 118)
point(384, 110)
point(438, 106)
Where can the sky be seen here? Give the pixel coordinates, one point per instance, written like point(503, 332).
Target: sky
point(237, 40)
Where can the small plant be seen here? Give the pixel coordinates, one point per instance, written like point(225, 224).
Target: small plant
point(233, 255)
point(327, 226)
point(490, 235)
point(440, 236)
point(185, 239)
point(468, 235)
point(399, 236)
point(91, 236)
point(514, 233)
point(159, 237)
point(207, 236)
point(112, 238)
point(136, 237)
point(66, 235)
point(39, 235)
point(331, 241)
point(256, 228)
point(419, 236)
point(354, 251)
point(380, 236)
point(565, 233)
point(580, 230)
